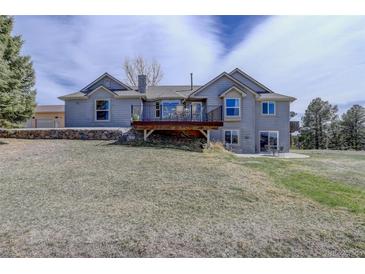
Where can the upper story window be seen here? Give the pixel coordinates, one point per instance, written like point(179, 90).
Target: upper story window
point(233, 107)
point(268, 108)
point(102, 110)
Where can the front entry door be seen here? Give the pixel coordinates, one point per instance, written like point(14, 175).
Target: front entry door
point(268, 140)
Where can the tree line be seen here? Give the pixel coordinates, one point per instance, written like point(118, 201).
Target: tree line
point(323, 128)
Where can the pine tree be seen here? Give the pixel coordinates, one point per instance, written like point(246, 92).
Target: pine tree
point(316, 123)
point(353, 126)
point(17, 78)
point(335, 136)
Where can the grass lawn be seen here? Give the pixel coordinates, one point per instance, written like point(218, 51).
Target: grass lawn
point(63, 198)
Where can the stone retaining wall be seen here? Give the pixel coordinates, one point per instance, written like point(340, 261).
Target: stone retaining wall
point(127, 136)
point(65, 133)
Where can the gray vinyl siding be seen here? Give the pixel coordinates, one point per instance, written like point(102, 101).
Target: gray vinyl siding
point(149, 110)
point(246, 124)
point(212, 92)
point(81, 113)
point(278, 122)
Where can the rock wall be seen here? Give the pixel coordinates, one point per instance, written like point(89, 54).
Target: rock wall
point(125, 136)
point(65, 133)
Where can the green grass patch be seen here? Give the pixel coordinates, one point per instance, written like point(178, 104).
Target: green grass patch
point(327, 192)
point(296, 176)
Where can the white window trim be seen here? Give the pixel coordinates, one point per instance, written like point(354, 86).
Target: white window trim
point(262, 108)
point(95, 110)
point(239, 107)
point(268, 131)
point(238, 135)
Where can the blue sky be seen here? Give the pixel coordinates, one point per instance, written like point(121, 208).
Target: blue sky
point(301, 56)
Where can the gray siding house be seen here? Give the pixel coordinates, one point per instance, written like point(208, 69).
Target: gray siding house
point(233, 108)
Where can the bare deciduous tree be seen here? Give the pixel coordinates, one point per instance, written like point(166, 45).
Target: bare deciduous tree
point(139, 65)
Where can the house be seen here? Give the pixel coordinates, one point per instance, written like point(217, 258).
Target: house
point(47, 116)
point(232, 108)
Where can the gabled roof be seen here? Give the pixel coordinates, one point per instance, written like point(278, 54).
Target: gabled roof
point(106, 75)
point(179, 91)
point(116, 94)
point(251, 79)
point(74, 95)
point(101, 88)
point(223, 74)
point(231, 89)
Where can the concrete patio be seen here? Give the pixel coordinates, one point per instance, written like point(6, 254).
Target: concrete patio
point(287, 155)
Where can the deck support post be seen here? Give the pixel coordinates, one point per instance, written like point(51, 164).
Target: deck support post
point(147, 133)
point(206, 135)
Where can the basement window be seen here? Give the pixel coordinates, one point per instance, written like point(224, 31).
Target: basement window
point(231, 137)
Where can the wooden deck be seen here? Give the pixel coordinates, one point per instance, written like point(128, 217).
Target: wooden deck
point(149, 127)
point(175, 125)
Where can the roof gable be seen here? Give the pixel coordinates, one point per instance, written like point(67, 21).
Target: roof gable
point(224, 74)
point(231, 89)
point(101, 88)
point(108, 82)
point(247, 80)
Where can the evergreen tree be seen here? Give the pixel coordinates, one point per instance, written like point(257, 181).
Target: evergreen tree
point(17, 79)
point(335, 137)
point(353, 126)
point(316, 123)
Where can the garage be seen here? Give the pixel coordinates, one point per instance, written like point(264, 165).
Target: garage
point(47, 116)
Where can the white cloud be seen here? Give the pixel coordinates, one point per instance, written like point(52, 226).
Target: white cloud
point(307, 57)
point(303, 57)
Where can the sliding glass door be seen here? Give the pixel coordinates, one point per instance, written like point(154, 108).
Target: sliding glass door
point(196, 111)
point(269, 140)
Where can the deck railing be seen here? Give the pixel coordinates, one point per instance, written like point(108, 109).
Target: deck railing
point(193, 113)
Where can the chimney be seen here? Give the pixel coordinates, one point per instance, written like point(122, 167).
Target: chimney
point(142, 83)
point(191, 81)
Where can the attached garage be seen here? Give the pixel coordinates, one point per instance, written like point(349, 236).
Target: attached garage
point(47, 116)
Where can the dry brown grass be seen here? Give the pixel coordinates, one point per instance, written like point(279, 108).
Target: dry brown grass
point(61, 198)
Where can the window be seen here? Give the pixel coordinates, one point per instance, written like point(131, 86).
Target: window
point(169, 108)
point(268, 108)
point(231, 137)
point(102, 110)
point(233, 107)
point(157, 113)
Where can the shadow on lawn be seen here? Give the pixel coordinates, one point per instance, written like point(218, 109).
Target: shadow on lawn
point(192, 147)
